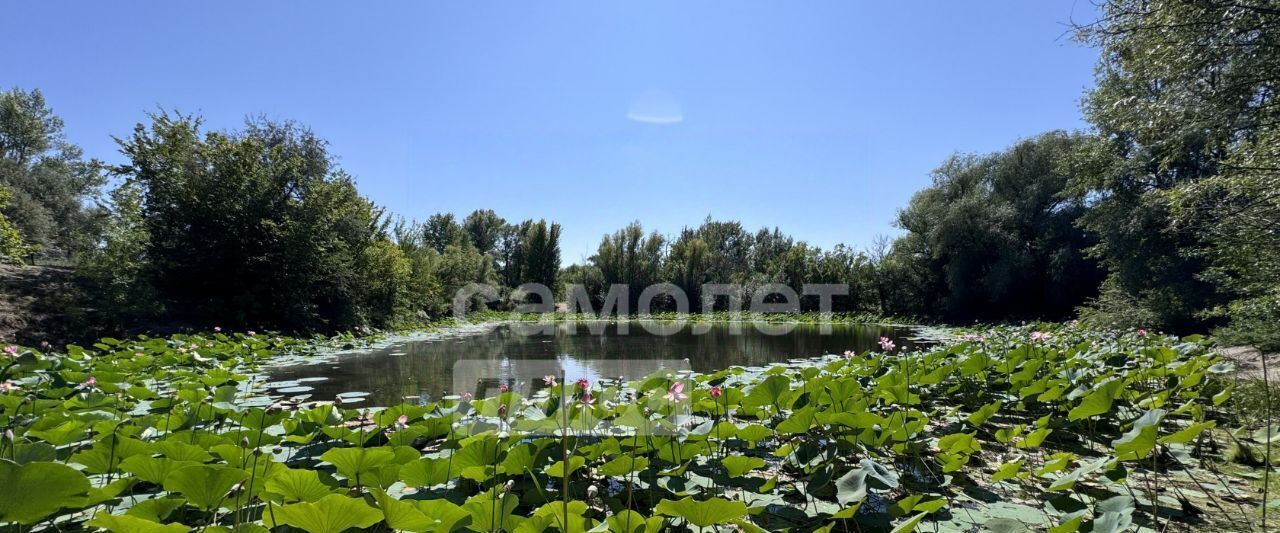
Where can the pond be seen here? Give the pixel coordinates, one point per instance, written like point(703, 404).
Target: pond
point(480, 360)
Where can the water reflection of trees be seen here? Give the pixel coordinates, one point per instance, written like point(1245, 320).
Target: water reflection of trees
point(425, 369)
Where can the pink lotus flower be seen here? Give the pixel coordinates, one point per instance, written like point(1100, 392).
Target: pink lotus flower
point(466, 396)
point(1040, 335)
point(7, 386)
point(402, 421)
point(886, 344)
point(503, 388)
point(91, 382)
point(251, 333)
point(217, 329)
point(848, 354)
point(1142, 333)
point(44, 345)
point(549, 380)
point(584, 384)
point(676, 392)
point(715, 392)
point(502, 410)
point(587, 399)
point(11, 350)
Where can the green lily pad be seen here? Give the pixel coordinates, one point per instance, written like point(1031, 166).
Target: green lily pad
point(332, 514)
point(133, 524)
point(703, 513)
point(737, 465)
point(30, 493)
point(298, 485)
point(204, 486)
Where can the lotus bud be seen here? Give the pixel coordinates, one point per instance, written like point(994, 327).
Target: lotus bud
point(8, 434)
point(592, 491)
point(244, 442)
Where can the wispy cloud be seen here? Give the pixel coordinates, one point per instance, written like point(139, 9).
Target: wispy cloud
point(655, 107)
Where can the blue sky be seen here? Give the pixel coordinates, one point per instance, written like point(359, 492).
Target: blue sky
point(821, 118)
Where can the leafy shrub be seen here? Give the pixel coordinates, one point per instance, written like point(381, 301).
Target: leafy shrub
point(1254, 322)
point(254, 227)
point(1116, 308)
point(12, 249)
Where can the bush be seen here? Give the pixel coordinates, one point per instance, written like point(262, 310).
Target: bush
point(256, 227)
point(1254, 322)
point(12, 249)
point(1116, 308)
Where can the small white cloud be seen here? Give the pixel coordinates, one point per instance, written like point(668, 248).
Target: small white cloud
point(655, 107)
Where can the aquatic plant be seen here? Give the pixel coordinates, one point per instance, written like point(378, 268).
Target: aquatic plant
point(1075, 430)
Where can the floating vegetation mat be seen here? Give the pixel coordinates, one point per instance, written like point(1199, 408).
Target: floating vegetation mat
point(1006, 429)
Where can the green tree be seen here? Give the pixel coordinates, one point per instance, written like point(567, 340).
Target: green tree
point(12, 249)
point(995, 238)
point(540, 253)
point(442, 230)
point(842, 265)
point(767, 246)
point(461, 265)
point(688, 265)
point(484, 227)
point(387, 274)
point(589, 277)
point(1184, 171)
point(115, 269)
point(50, 183)
point(630, 256)
point(249, 228)
point(729, 250)
point(510, 252)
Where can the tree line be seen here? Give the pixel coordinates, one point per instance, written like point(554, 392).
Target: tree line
point(1164, 213)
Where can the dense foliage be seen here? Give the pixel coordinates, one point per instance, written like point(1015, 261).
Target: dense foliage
point(12, 247)
point(47, 183)
point(1063, 427)
point(1165, 214)
point(1182, 186)
point(1172, 195)
point(252, 227)
point(994, 237)
point(724, 252)
point(260, 227)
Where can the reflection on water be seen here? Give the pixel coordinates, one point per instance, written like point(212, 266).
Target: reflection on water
point(514, 356)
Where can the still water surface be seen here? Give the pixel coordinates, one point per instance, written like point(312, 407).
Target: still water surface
point(512, 354)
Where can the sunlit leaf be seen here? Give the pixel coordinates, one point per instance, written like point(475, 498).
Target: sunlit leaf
point(703, 513)
point(31, 492)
